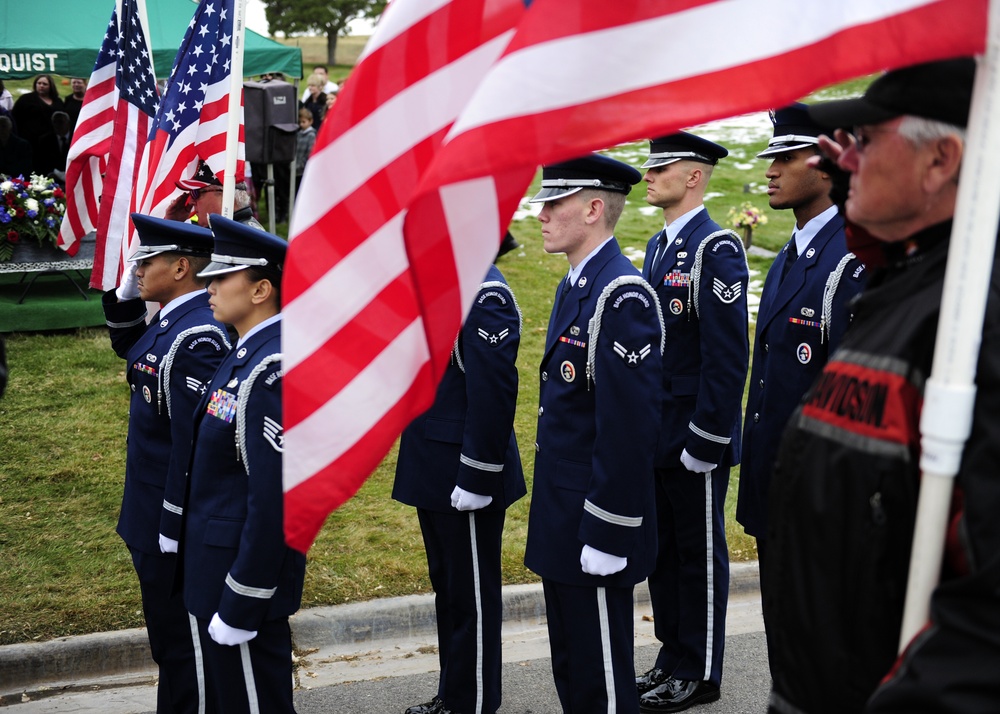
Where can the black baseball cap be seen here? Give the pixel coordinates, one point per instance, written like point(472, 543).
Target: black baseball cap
point(941, 91)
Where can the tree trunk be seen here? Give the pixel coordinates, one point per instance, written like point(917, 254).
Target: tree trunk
point(331, 48)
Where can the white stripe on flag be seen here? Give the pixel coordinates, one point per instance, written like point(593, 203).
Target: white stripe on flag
point(589, 67)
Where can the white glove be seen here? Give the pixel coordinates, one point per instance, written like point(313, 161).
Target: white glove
point(597, 562)
point(696, 465)
point(226, 635)
point(167, 545)
point(129, 289)
point(467, 501)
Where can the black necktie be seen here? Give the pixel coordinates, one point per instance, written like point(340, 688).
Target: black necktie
point(791, 256)
point(661, 252)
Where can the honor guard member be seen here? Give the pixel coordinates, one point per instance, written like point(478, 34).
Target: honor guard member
point(803, 307)
point(241, 581)
point(170, 360)
point(459, 466)
point(591, 525)
point(700, 275)
point(202, 196)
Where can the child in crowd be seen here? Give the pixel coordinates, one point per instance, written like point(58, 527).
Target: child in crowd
point(304, 144)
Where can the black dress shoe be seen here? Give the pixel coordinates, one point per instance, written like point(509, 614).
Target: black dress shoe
point(676, 695)
point(651, 679)
point(434, 706)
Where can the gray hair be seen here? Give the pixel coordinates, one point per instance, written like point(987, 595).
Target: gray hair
point(919, 131)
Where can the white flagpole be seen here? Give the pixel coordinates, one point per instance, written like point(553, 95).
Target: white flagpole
point(234, 114)
point(946, 420)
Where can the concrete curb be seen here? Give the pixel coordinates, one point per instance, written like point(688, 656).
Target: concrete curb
point(57, 663)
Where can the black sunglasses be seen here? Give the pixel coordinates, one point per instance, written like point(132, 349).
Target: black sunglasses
point(196, 192)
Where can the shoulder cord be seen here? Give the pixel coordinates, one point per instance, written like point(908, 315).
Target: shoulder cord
point(829, 291)
point(242, 398)
point(694, 284)
point(456, 353)
point(163, 381)
point(594, 327)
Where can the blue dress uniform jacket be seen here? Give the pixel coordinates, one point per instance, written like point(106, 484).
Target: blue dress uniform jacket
point(704, 369)
point(466, 437)
point(169, 362)
point(235, 559)
point(593, 480)
point(796, 333)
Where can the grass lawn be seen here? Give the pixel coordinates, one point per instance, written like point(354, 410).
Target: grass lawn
point(63, 425)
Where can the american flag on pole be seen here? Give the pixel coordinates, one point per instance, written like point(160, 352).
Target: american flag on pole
point(88, 153)
point(135, 99)
point(190, 124)
point(578, 75)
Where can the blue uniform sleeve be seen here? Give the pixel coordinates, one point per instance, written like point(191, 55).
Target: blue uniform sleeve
point(725, 349)
point(126, 322)
point(196, 355)
point(254, 575)
point(489, 343)
point(627, 380)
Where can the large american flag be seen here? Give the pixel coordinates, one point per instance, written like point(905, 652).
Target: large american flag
point(379, 274)
point(191, 122)
point(136, 99)
point(87, 159)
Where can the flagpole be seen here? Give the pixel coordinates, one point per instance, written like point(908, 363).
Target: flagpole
point(234, 113)
point(946, 419)
point(144, 24)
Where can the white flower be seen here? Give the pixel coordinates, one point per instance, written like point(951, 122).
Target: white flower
point(31, 204)
point(6, 186)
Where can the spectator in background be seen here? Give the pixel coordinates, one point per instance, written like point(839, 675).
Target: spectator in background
point(303, 144)
point(33, 111)
point(328, 87)
point(53, 147)
point(74, 102)
point(15, 152)
point(6, 100)
point(315, 100)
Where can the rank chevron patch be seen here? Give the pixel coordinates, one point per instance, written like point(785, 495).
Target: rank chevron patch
point(726, 293)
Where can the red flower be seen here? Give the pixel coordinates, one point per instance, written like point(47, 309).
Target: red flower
point(13, 237)
point(58, 192)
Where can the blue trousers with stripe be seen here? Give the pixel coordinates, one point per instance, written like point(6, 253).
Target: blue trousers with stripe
point(463, 559)
point(169, 632)
point(255, 677)
point(689, 589)
point(591, 636)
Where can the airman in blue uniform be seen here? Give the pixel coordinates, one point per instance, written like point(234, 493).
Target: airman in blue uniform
point(591, 526)
point(459, 466)
point(170, 359)
point(700, 275)
point(804, 307)
point(240, 581)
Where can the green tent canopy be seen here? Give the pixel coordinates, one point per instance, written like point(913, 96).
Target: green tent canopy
point(63, 36)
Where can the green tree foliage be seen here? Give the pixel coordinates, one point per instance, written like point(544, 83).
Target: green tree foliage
point(329, 17)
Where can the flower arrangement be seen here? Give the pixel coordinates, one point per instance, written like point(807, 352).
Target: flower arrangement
point(746, 216)
point(29, 209)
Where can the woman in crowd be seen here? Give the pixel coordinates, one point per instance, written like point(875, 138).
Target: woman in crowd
point(33, 111)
